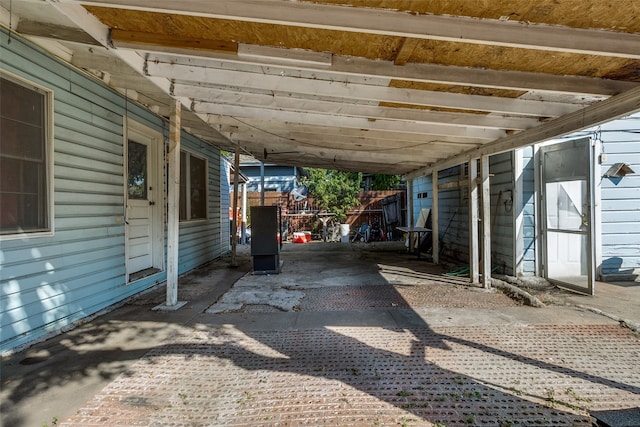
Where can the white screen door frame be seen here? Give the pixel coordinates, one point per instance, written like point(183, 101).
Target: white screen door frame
point(567, 214)
point(144, 195)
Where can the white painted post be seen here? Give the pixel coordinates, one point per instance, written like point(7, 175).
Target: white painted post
point(244, 213)
point(486, 222)
point(474, 251)
point(435, 227)
point(517, 212)
point(173, 213)
point(410, 200)
point(234, 221)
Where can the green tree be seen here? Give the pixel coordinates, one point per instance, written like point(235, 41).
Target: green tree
point(380, 182)
point(334, 191)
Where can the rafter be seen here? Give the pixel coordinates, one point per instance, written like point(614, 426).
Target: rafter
point(289, 103)
point(200, 75)
point(412, 150)
point(378, 138)
point(612, 108)
point(345, 67)
point(346, 122)
point(400, 24)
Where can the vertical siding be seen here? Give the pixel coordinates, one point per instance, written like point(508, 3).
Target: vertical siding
point(501, 203)
point(453, 228)
point(454, 211)
point(454, 216)
point(47, 283)
point(527, 207)
point(620, 198)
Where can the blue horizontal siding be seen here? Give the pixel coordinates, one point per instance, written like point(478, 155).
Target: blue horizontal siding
point(199, 241)
point(620, 198)
point(421, 185)
point(50, 282)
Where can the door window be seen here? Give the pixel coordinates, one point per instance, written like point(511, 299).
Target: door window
point(137, 178)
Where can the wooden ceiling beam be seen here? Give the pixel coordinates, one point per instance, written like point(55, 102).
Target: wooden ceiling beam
point(275, 151)
point(345, 67)
point(333, 136)
point(200, 75)
point(52, 31)
point(400, 24)
point(346, 122)
point(405, 51)
point(156, 39)
point(604, 111)
point(378, 138)
point(406, 154)
point(288, 103)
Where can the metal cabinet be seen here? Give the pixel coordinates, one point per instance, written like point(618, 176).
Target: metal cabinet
point(265, 239)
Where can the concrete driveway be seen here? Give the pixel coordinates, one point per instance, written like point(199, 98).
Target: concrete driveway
point(347, 334)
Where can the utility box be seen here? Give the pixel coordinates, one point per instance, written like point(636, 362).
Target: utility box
point(265, 239)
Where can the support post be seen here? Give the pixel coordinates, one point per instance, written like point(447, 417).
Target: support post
point(244, 213)
point(261, 183)
point(173, 212)
point(474, 246)
point(435, 226)
point(234, 220)
point(486, 222)
point(410, 201)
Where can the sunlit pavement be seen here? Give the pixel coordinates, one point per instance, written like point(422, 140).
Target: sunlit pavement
point(453, 376)
point(374, 337)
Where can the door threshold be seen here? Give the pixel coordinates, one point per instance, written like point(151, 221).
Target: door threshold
point(143, 273)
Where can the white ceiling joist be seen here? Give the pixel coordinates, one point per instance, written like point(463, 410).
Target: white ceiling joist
point(357, 136)
point(92, 26)
point(346, 122)
point(199, 75)
point(609, 109)
point(427, 73)
point(400, 24)
point(419, 150)
point(363, 155)
point(287, 103)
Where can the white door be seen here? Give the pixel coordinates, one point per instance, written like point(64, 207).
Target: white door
point(142, 213)
point(566, 201)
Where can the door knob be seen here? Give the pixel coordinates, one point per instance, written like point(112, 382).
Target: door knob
point(151, 203)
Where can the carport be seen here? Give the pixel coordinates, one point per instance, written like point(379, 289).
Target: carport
point(393, 86)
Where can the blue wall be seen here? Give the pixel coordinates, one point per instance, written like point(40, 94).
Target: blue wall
point(502, 214)
point(47, 283)
point(526, 186)
point(453, 209)
point(453, 224)
point(620, 198)
point(200, 241)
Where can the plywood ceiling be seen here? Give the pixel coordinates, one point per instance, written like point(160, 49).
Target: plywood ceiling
point(392, 86)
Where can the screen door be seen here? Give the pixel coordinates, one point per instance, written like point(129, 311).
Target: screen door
point(567, 215)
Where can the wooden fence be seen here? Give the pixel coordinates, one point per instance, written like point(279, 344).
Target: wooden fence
point(302, 215)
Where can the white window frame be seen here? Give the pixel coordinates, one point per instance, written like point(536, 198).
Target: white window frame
point(48, 141)
point(188, 185)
